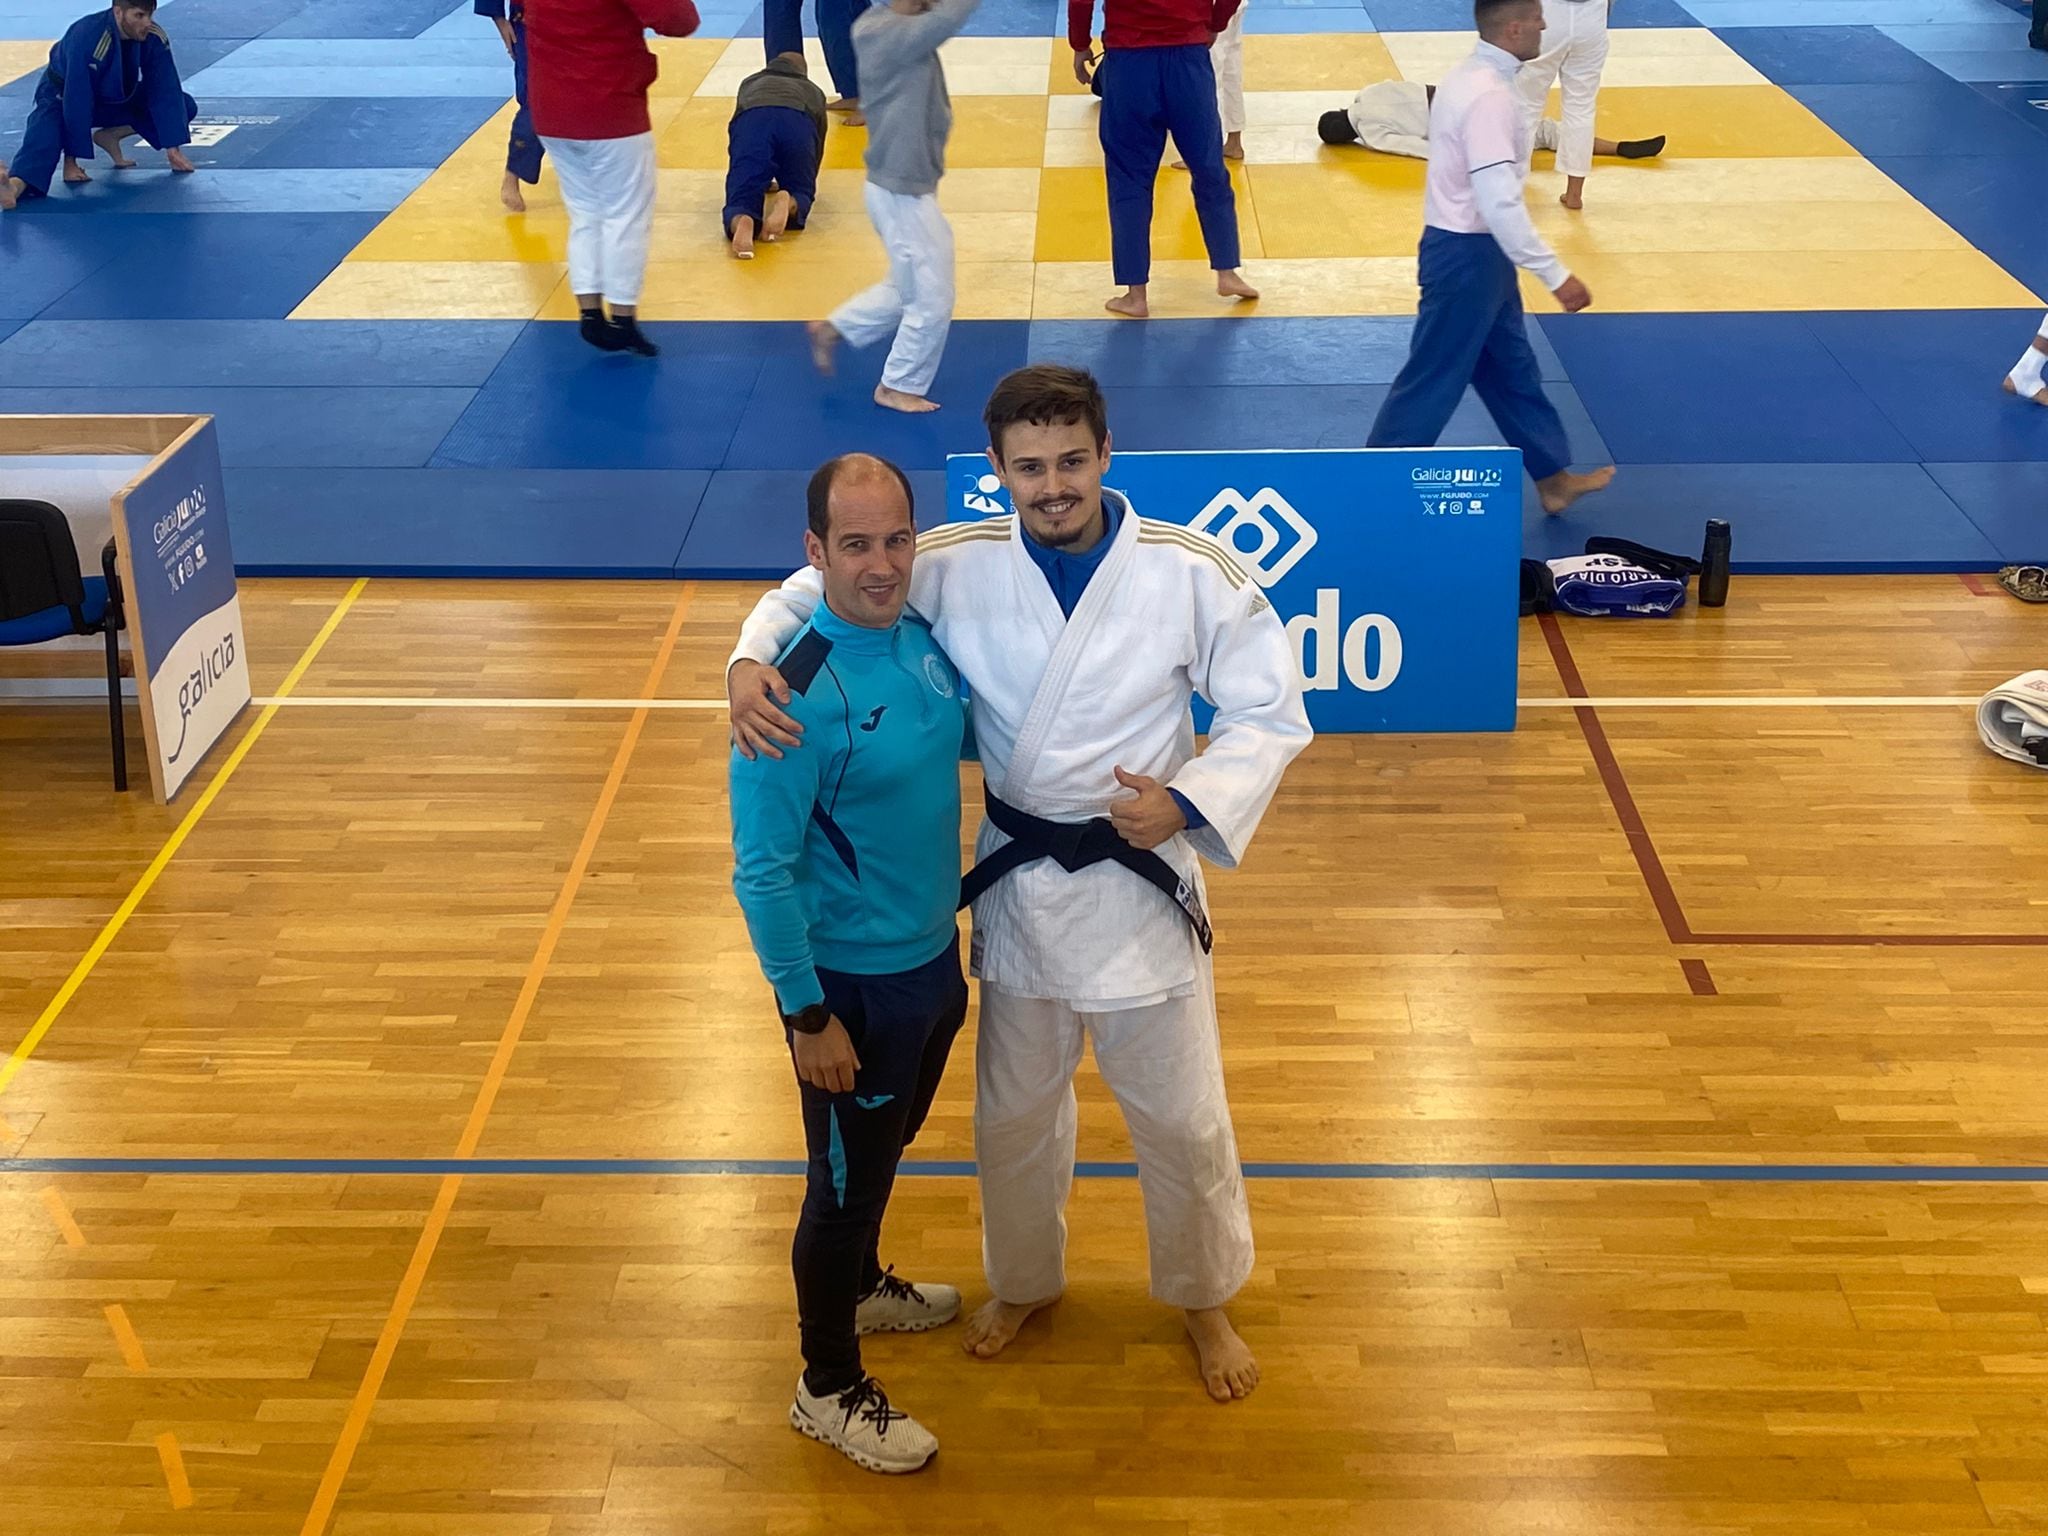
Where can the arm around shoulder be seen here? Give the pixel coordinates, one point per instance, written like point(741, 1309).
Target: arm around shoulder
point(671, 18)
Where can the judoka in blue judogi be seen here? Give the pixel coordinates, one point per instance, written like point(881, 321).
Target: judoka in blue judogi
point(110, 76)
point(523, 153)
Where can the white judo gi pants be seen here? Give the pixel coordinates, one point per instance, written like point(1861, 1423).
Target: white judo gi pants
point(915, 301)
point(2027, 374)
point(608, 188)
point(1574, 50)
point(1165, 1067)
point(1227, 55)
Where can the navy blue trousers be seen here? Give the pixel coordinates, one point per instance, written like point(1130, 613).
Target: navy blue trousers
point(160, 111)
point(765, 144)
point(1470, 330)
point(1148, 93)
point(523, 154)
point(902, 1027)
point(782, 31)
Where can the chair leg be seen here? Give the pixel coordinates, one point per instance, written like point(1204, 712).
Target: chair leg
point(115, 723)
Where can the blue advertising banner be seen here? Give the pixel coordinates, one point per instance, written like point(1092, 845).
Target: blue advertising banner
point(184, 618)
point(1397, 570)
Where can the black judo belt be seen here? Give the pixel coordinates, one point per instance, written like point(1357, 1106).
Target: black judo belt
point(1074, 845)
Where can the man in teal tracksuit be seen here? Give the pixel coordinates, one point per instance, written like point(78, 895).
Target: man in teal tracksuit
point(847, 866)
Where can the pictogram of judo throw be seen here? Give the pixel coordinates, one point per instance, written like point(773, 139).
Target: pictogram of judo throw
point(1283, 535)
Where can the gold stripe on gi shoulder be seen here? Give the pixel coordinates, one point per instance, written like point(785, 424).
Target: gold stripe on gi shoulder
point(947, 534)
point(1150, 532)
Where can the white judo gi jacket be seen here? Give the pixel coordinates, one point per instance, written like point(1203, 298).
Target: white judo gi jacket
point(1059, 702)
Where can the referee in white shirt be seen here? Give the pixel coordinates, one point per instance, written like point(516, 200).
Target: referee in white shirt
point(1469, 328)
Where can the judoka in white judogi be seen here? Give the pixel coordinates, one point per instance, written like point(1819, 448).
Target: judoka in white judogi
point(1392, 116)
point(1060, 704)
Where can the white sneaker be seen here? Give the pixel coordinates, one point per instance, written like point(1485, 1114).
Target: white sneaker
point(897, 1306)
point(861, 1425)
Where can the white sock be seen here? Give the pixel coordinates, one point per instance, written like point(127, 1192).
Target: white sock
point(2026, 373)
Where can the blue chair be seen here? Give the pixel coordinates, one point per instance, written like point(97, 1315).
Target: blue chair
point(43, 597)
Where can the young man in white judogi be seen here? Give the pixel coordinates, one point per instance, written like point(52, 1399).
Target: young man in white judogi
point(1082, 631)
point(1574, 47)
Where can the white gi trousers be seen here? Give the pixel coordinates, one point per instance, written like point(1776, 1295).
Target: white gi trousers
point(1165, 1067)
point(1227, 55)
point(2027, 373)
point(608, 188)
point(915, 301)
point(1574, 49)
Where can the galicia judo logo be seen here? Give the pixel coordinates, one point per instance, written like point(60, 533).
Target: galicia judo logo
point(1471, 477)
point(1280, 536)
point(211, 667)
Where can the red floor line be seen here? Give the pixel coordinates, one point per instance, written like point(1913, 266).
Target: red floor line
point(1699, 978)
point(1662, 892)
point(1976, 585)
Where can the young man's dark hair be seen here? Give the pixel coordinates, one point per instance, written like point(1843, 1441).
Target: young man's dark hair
point(1045, 395)
point(147, 7)
point(1487, 14)
point(818, 495)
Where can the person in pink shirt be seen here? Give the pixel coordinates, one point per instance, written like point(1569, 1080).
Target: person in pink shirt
point(1476, 232)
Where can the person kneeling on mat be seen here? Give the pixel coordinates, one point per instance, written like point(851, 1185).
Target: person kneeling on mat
point(846, 861)
point(776, 138)
point(1392, 116)
point(111, 77)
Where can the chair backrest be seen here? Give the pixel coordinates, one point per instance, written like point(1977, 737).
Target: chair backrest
point(38, 562)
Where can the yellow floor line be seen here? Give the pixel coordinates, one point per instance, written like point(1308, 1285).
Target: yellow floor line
point(157, 865)
point(60, 1213)
point(174, 1470)
point(127, 1338)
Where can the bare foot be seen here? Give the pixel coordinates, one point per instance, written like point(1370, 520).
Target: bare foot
point(1571, 200)
point(12, 187)
point(856, 118)
point(897, 400)
point(743, 238)
point(1231, 286)
point(74, 173)
point(2039, 396)
point(1560, 490)
point(109, 139)
point(1130, 305)
point(1233, 146)
point(510, 194)
point(1228, 1369)
point(843, 104)
point(175, 159)
point(781, 209)
point(824, 342)
point(993, 1325)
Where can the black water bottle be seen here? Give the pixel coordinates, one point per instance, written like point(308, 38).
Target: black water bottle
point(1714, 564)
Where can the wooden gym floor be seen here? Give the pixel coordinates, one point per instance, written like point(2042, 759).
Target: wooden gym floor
point(458, 1140)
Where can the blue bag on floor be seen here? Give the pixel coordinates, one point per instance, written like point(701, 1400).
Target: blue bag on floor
point(1607, 586)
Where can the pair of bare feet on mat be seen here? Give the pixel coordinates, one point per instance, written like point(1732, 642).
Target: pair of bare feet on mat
point(774, 220)
point(825, 342)
point(1134, 302)
point(1228, 1370)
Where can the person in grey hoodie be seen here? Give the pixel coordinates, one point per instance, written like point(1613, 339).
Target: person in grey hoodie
point(776, 138)
point(903, 92)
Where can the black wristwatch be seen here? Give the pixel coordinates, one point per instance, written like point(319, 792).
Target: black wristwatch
point(809, 1020)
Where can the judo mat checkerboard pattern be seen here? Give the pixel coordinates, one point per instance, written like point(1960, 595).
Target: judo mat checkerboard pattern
point(1802, 310)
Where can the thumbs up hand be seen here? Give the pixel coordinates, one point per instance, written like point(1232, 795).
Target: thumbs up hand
point(1148, 816)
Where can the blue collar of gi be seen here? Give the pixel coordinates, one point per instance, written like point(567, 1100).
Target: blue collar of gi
point(1069, 575)
point(847, 636)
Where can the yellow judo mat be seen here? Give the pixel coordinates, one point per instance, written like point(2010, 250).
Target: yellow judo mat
point(1756, 205)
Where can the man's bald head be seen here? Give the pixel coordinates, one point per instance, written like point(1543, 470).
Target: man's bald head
point(792, 63)
point(860, 474)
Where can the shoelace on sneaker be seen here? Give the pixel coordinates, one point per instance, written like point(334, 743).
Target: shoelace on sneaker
point(895, 1289)
point(867, 1398)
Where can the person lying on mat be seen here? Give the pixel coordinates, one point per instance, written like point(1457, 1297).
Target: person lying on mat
point(1393, 118)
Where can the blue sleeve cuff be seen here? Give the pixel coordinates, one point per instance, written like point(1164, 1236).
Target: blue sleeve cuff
point(495, 9)
point(1195, 819)
point(793, 994)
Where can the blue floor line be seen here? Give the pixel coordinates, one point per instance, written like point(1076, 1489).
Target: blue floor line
point(1748, 1173)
